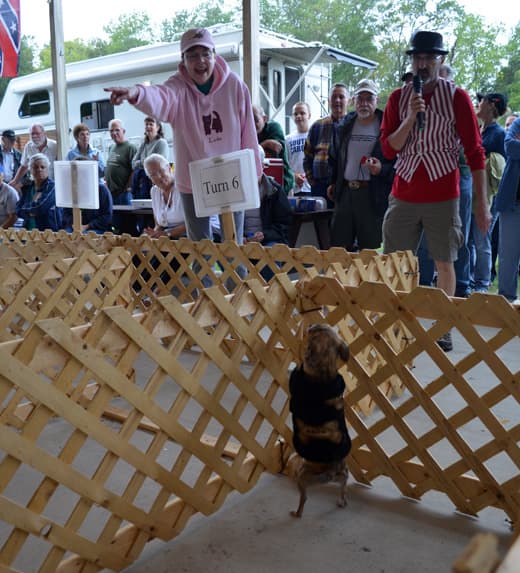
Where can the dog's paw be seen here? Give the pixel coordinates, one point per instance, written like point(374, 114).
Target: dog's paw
point(297, 514)
point(341, 502)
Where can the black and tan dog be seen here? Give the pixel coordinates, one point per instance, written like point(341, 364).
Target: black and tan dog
point(320, 435)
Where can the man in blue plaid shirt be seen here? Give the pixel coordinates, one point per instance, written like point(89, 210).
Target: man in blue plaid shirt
point(316, 150)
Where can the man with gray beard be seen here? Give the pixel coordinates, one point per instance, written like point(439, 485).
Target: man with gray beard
point(361, 177)
point(423, 126)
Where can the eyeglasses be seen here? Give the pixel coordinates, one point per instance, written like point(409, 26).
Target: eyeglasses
point(194, 56)
point(427, 59)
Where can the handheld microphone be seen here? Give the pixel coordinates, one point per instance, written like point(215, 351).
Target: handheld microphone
point(417, 88)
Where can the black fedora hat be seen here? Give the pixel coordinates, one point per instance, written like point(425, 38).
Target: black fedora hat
point(423, 42)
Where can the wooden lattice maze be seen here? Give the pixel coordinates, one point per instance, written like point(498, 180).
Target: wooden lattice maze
point(122, 421)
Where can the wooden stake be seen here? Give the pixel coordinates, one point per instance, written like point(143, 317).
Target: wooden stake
point(76, 211)
point(230, 233)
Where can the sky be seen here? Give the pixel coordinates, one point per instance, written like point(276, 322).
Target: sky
point(86, 20)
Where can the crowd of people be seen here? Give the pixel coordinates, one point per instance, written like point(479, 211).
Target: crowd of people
point(428, 173)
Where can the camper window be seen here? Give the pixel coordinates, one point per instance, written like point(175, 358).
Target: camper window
point(35, 103)
point(96, 114)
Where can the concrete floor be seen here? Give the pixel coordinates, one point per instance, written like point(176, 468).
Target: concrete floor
point(378, 532)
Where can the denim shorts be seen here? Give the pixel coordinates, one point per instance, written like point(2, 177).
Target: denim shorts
point(404, 223)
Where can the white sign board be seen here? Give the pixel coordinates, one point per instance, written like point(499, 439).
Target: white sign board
point(225, 183)
point(77, 184)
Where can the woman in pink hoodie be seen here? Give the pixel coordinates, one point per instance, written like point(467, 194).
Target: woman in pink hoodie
point(209, 109)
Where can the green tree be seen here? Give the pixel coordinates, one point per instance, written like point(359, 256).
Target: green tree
point(508, 79)
point(28, 55)
point(75, 51)
point(130, 31)
point(476, 56)
point(379, 30)
point(344, 24)
point(397, 22)
point(204, 15)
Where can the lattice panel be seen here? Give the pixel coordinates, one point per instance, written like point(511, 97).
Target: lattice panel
point(184, 267)
point(446, 432)
point(192, 428)
point(32, 245)
point(71, 288)
point(144, 433)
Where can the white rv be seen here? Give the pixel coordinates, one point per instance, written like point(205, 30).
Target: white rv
point(291, 70)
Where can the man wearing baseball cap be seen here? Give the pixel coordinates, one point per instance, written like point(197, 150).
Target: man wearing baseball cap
point(361, 177)
point(491, 107)
point(423, 125)
point(209, 109)
point(10, 157)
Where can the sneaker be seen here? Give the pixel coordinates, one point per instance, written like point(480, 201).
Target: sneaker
point(445, 342)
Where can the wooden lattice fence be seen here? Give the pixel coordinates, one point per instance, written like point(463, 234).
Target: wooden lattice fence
point(72, 288)
point(159, 267)
point(119, 430)
point(183, 267)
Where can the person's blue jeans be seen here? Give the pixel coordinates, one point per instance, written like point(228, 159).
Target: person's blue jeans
point(509, 253)
point(480, 253)
point(462, 264)
point(426, 264)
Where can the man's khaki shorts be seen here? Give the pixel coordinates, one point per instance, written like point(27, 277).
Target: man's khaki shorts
point(404, 223)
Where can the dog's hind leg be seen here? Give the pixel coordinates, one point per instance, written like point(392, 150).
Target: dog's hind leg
point(342, 479)
point(303, 498)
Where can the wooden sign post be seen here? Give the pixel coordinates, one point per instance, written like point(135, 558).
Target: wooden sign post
point(76, 211)
point(228, 227)
point(77, 187)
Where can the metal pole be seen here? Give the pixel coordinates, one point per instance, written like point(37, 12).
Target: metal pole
point(61, 113)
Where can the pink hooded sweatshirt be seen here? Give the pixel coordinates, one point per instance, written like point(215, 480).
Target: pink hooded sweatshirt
point(203, 125)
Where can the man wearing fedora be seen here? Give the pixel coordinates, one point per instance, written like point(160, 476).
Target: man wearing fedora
point(423, 125)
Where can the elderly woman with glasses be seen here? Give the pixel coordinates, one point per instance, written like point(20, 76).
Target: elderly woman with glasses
point(37, 205)
point(166, 200)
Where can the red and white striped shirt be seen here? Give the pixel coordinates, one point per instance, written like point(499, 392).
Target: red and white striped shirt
point(427, 165)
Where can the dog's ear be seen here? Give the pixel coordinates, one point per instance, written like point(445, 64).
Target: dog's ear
point(343, 351)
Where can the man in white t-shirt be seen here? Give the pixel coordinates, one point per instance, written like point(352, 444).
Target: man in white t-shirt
point(295, 143)
point(361, 177)
point(39, 143)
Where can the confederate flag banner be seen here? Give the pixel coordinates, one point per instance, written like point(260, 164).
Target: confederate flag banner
point(9, 37)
